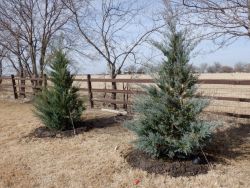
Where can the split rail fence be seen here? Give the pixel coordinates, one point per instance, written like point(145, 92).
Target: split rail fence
point(18, 86)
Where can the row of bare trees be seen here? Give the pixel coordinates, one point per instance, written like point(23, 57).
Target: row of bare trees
point(114, 31)
point(108, 30)
point(111, 31)
point(220, 68)
point(27, 29)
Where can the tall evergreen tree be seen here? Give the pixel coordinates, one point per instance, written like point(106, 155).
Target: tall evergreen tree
point(167, 122)
point(59, 106)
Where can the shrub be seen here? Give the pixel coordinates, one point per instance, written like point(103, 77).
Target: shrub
point(167, 122)
point(59, 107)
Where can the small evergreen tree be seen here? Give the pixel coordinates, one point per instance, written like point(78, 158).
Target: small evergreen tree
point(59, 107)
point(167, 123)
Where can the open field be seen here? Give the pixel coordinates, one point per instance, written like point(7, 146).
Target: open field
point(96, 158)
point(217, 90)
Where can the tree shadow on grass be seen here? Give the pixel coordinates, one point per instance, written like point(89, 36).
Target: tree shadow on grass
point(80, 127)
point(232, 143)
point(103, 122)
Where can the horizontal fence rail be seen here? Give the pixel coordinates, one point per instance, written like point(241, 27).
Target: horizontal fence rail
point(224, 82)
point(19, 85)
point(19, 88)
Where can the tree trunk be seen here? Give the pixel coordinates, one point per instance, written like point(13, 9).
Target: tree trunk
point(113, 95)
point(114, 87)
point(32, 52)
point(1, 71)
point(34, 76)
point(22, 75)
point(41, 62)
point(248, 6)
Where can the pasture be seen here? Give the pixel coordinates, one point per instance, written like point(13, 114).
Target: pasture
point(212, 90)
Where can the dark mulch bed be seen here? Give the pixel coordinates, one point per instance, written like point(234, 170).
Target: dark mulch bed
point(174, 168)
point(227, 143)
point(44, 132)
point(80, 127)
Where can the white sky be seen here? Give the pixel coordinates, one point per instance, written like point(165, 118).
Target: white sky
point(239, 51)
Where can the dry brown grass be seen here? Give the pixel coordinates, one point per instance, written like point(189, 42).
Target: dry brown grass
point(95, 158)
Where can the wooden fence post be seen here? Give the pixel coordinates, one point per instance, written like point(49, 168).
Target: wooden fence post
point(21, 84)
point(124, 96)
point(127, 97)
point(45, 80)
point(91, 103)
point(14, 86)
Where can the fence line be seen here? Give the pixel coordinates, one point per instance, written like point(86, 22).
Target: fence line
point(39, 83)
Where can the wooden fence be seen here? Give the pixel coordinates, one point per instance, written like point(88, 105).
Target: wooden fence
point(19, 85)
point(19, 89)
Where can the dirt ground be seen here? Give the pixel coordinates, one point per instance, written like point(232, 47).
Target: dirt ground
point(96, 158)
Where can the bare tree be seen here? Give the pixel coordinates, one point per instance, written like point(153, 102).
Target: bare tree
point(239, 67)
point(141, 70)
point(227, 69)
point(1, 70)
point(27, 28)
point(110, 27)
point(222, 21)
point(131, 69)
point(215, 68)
point(247, 68)
point(2, 55)
point(203, 67)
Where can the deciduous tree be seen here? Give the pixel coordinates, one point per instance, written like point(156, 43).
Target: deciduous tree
point(112, 28)
point(221, 21)
point(27, 28)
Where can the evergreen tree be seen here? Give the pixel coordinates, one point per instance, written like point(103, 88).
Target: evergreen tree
point(59, 106)
point(167, 122)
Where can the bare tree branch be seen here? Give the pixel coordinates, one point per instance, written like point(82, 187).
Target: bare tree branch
point(27, 29)
point(113, 28)
point(220, 21)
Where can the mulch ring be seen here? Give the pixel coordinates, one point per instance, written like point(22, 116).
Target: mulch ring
point(44, 132)
point(80, 127)
point(174, 168)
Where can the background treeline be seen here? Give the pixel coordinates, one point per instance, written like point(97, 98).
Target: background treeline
point(220, 68)
point(202, 68)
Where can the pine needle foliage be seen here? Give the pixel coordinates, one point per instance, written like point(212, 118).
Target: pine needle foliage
point(59, 106)
point(167, 122)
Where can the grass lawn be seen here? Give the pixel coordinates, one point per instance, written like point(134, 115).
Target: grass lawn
point(96, 158)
